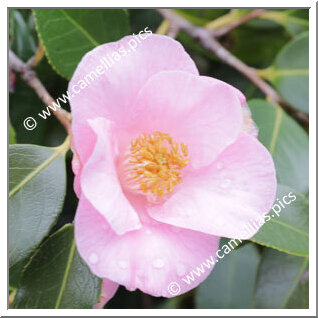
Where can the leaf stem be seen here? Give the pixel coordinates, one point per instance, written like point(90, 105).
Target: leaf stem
point(271, 73)
point(163, 27)
point(37, 57)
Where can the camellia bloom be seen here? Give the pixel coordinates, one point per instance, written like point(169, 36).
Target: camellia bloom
point(166, 162)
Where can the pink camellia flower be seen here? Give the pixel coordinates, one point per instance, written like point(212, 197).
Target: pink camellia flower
point(165, 164)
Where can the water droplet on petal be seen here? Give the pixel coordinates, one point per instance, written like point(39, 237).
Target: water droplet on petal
point(158, 263)
point(148, 232)
point(93, 258)
point(219, 165)
point(219, 221)
point(181, 270)
point(140, 279)
point(123, 264)
point(225, 183)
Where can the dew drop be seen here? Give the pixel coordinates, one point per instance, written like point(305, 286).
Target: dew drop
point(219, 165)
point(219, 221)
point(158, 263)
point(225, 183)
point(140, 279)
point(93, 258)
point(123, 264)
point(181, 270)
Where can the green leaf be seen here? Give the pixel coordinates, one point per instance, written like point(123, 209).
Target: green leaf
point(57, 277)
point(142, 18)
point(287, 231)
point(264, 43)
point(289, 73)
point(286, 141)
point(278, 277)
point(11, 135)
point(300, 296)
point(67, 34)
point(21, 39)
point(37, 183)
point(231, 283)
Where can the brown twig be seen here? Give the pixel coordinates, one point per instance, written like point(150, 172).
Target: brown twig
point(209, 42)
point(247, 17)
point(30, 77)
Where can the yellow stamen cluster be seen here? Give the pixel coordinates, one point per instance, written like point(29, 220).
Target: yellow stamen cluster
point(155, 162)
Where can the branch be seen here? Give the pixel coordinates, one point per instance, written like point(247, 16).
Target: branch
point(247, 17)
point(209, 42)
point(30, 77)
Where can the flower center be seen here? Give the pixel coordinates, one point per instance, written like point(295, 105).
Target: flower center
point(154, 164)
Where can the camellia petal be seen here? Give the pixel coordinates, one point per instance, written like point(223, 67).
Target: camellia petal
point(238, 188)
point(100, 184)
point(215, 81)
point(108, 291)
point(150, 259)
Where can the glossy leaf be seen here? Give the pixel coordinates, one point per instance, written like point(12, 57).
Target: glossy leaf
point(263, 42)
point(57, 277)
point(278, 277)
point(67, 34)
point(286, 141)
point(300, 297)
point(231, 283)
point(289, 73)
point(36, 193)
point(286, 229)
